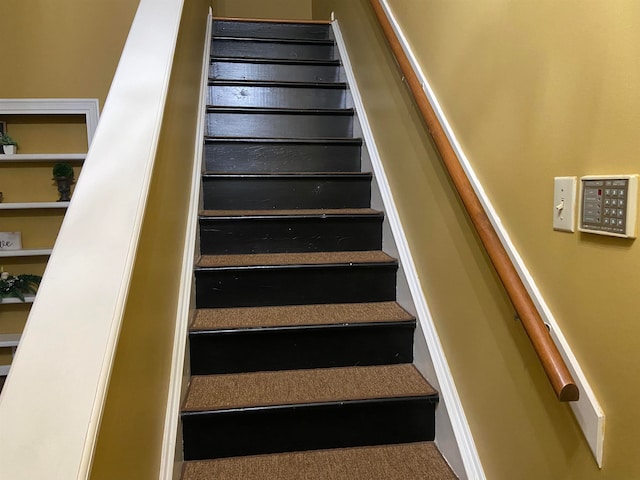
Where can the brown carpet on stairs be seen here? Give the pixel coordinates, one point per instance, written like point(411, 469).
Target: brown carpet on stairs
point(413, 461)
point(257, 317)
point(217, 392)
point(326, 211)
point(316, 258)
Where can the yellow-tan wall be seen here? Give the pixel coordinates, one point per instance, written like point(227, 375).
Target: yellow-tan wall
point(61, 49)
point(533, 90)
point(280, 9)
point(131, 431)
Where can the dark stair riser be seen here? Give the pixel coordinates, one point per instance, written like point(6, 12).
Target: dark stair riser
point(279, 124)
point(308, 427)
point(245, 192)
point(292, 348)
point(283, 71)
point(281, 156)
point(295, 285)
point(267, 234)
point(246, 94)
point(272, 49)
point(232, 28)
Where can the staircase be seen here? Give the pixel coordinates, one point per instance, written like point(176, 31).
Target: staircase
point(301, 359)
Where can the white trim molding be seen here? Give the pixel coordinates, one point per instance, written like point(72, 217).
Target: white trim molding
point(587, 409)
point(88, 107)
point(455, 439)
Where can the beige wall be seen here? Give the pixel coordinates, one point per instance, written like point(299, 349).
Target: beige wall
point(280, 9)
point(130, 438)
point(533, 90)
point(61, 49)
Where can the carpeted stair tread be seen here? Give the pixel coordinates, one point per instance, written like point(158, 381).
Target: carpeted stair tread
point(274, 259)
point(278, 174)
point(410, 461)
point(283, 61)
point(328, 314)
point(298, 140)
point(296, 213)
point(293, 387)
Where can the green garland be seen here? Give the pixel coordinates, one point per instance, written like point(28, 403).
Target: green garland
point(17, 286)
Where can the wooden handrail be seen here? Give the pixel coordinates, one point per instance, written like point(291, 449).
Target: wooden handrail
point(552, 362)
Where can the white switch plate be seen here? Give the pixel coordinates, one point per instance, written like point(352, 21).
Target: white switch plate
point(564, 203)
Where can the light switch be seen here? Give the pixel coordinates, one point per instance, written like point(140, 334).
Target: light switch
point(564, 204)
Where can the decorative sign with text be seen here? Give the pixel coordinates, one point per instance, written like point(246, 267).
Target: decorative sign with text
point(10, 241)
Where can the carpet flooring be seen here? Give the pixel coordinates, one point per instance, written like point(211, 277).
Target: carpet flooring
point(292, 387)
point(273, 259)
point(288, 213)
point(413, 461)
point(330, 314)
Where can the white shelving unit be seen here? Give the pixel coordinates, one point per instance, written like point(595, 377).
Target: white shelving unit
point(43, 157)
point(32, 205)
point(26, 252)
point(86, 107)
point(27, 299)
point(11, 341)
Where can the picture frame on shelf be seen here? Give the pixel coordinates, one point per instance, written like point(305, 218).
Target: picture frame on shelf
point(3, 127)
point(10, 241)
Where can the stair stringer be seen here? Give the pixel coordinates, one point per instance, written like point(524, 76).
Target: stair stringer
point(453, 434)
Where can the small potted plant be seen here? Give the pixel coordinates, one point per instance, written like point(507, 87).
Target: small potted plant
point(63, 175)
point(17, 286)
point(8, 144)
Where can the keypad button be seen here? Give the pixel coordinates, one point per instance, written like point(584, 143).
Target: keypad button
point(614, 202)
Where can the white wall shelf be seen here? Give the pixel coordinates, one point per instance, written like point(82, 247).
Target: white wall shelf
point(26, 252)
point(43, 157)
point(27, 299)
point(54, 106)
point(87, 107)
point(9, 340)
point(32, 205)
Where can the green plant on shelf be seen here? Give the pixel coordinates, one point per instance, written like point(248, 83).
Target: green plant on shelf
point(63, 175)
point(17, 286)
point(7, 140)
point(63, 170)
